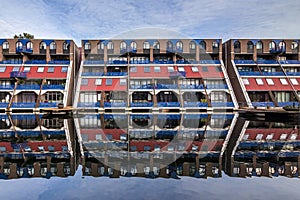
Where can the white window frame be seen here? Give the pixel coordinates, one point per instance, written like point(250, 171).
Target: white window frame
point(181, 69)
point(123, 81)
point(283, 81)
point(50, 71)
point(171, 69)
point(195, 69)
point(26, 69)
point(40, 69)
point(15, 69)
point(2, 68)
point(294, 81)
point(98, 81)
point(84, 81)
point(108, 81)
point(133, 69)
point(246, 81)
point(259, 81)
point(157, 69)
point(270, 81)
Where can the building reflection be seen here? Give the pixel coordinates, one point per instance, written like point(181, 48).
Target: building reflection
point(32, 146)
point(198, 145)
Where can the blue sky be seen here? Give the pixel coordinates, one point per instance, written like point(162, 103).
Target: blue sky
point(78, 20)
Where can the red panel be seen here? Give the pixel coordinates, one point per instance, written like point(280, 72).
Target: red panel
point(211, 72)
point(277, 132)
point(140, 72)
point(6, 73)
point(7, 145)
point(93, 132)
point(265, 87)
point(57, 145)
point(103, 87)
point(56, 74)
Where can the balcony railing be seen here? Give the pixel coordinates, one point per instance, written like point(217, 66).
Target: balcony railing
point(163, 62)
point(272, 73)
point(53, 87)
point(222, 104)
point(209, 62)
point(139, 62)
point(278, 50)
point(195, 104)
point(48, 104)
point(3, 105)
point(28, 87)
point(268, 62)
point(6, 87)
point(191, 86)
point(93, 62)
point(168, 104)
point(263, 104)
point(216, 86)
point(117, 62)
point(293, 73)
point(23, 105)
point(18, 74)
point(114, 104)
point(59, 62)
point(18, 62)
point(245, 73)
point(38, 62)
point(116, 74)
point(177, 74)
point(166, 86)
point(243, 62)
point(292, 62)
point(141, 104)
point(92, 74)
point(145, 87)
point(23, 49)
point(88, 104)
point(291, 104)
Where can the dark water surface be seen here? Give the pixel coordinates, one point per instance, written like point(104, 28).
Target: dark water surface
point(148, 156)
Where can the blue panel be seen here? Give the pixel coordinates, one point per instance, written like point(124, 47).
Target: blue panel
point(23, 41)
point(68, 41)
point(48, 42)
point(151, 42)
point(198, 40)
point(85, 41)
point(1, 41)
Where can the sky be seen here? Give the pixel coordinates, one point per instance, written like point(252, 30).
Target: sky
point(105, 19)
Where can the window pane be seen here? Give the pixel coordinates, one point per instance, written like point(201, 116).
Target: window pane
point(108, 82)
point(84, 81)
point(294, 81)
point(270, 81)
point(64, 69)
point(40, 69)
point(283, 81)
point(26, 69)
point(195, 69)
point(180, 69)
point(146, 69)
point(133, 69)
point(50, 69)
point(122, 81)
point(98, 81)
point(2, 69)
point(170, 69)
point(259, 81)
point(157, 69)
point(246, 81)
point(204, 69)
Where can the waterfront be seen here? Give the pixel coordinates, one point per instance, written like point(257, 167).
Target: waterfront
point(148, 156)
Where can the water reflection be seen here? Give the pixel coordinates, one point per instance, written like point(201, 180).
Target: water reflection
point(147, 145)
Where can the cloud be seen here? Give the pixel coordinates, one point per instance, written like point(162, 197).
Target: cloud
point(194, 18)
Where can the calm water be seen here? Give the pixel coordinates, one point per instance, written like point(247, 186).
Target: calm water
point(148, 156)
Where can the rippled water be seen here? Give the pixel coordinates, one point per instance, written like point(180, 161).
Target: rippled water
point(148, 156)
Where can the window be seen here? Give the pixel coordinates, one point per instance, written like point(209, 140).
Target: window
point(281, 45)
point(133, 69)
point(293, 46)
point(123, 137)
point(65, 46)
point(147, 148)
point(146, 45)
point(237, 45)
point(146, 69)
point(100, 45)
point(133, 45)
point(29, 45)
point(52, 45)
point(40, 69)
point(108, 81)
point(170, 69)
point(50, 69)
point(204, 69)
point(84, 81)
point(181, 69)
point(245, 137)
point(195, 69)
point(64, 69)
point(192, 45)
point(110, 45)
point(122, 46)
point(99, 137)
point(202, 45)
point(250, 45)
point(87, 46)
point(269, 136)
point(15, 69)
point(270, 81)
point(215, 45)
point(2, 69)
point(53, 96)
point(259, 136)
point(156, 69)
point(283, 81)
point(259, 45)
point(26, 69)
point(259, 81)
point(5, 45)
point(19, 45)
point(98, 81)
point(272, 45)
point(218, 69)
point(156, 45)
point(179, 45)
point(294, 81)
point(122, 81)
point(43, 45)
point(169, 45)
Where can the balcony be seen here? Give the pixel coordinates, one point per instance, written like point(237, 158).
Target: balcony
point(168, 104)
point(18, 75)
point(222, 104)
point(216, 86)
point(23, 105)
point(141, 104)
point(272, 73)
point(293, 73)
point(48, 104)
point(114, 104)
point(59, 62)
point(28, 87)
point(93, 62)
point(17, 62)
point(145, 87)
point(117, 62)
point(3, 105)
point(268, 62)
point(88, 104)
point(53, 87)
point(139, 62)
point(191, 86)
point(163, 62)
point(211, 62)
point(244, 62)
point(291, 62)
point(92, 74)
point(278, 50)
point(166, 86)
point(6, 87)
point(248, 73)
point(38, 62)
point(116, 74)
point(177, 74)
point(290, 104)
point(23, 49)
point(263, 104)
point(195, 104)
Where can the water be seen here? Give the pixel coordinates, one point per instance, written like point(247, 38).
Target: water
point(148, 156)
